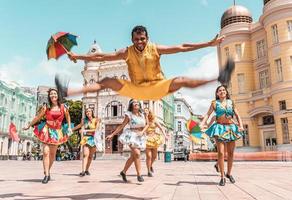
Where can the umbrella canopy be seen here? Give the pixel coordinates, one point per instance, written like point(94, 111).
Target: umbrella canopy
point(60, 44)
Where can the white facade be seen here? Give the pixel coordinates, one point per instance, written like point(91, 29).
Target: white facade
point(182, 114)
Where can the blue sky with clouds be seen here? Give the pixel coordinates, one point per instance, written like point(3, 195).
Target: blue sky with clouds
point(27, 25)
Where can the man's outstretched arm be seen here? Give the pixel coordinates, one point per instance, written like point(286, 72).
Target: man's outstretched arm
point(118, 55)
point(188, 46)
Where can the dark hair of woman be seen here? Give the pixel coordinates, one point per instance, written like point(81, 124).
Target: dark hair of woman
point(49, 99)
point(217, 89)
point(131, 103)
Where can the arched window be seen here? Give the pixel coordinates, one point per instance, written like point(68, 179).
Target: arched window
point(114, 109)
point(124, 77)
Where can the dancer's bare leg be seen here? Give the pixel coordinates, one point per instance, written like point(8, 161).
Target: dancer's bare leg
point(186, 82)
point(110, 83)
point(86, 152)
point(148, 158)
point(230, 153)
point(220, 149)
point(46, 159)
point(92, 150)
point(154, 156)
point(53, 150)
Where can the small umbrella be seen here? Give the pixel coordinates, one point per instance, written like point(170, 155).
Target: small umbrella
point(60, 44)
point(194, 129)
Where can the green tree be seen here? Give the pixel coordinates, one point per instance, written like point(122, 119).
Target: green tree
point(75, 110)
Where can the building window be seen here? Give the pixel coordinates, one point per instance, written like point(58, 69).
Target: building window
point(261, 49)
point(279, 72)
point(269, 119)
point(238, 48)
point(179, 125)
point(285, 130)
point(264, 79)
point(114, 110)
point(289, 26)
point(226, 49)
point(178, 108)
point(275, 34)
point(282, 105)
point(240, 78)
point(245, 138)
point(124, 77)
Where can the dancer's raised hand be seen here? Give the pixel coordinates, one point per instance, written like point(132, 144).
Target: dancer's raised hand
point(109, 137)
point(217, 40)
point(72, 56)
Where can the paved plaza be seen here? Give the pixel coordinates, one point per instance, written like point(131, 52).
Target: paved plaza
point(175, 180)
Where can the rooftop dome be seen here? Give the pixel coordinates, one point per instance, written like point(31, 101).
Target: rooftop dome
point(235, 14)
point(266, 1)
point(95, 48)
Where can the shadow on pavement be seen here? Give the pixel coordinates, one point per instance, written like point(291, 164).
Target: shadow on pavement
point(76, 197)
point(189, 182)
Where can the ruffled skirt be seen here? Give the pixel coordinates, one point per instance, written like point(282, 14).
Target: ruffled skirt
point(131, 138)
point(224, 133)
point(48, 135)
point(154, 140)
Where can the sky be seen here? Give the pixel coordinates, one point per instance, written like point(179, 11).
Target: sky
point(26, 27)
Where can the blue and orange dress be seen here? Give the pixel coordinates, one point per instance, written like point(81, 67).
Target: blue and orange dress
point(52, 130)
point(89, 137)
point(224, 132)
point(154, 139)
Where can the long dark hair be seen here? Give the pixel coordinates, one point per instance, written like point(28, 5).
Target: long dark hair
point(49, 99)
point(217, 89)
point(86, 118)
point(130, 107)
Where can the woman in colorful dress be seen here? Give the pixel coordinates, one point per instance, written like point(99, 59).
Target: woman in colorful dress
point(154, 140)
point(224, 130)
point(89, 126)
point(51, 132)
point(134, 137)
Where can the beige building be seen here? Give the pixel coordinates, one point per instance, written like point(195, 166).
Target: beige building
point(262, 82)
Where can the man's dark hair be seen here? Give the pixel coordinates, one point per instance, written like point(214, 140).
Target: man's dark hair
point(139, 30)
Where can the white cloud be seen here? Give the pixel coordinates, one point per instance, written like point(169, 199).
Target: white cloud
point(43, 73)
point(201, 97)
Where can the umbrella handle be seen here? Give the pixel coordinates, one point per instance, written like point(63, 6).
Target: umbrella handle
point(75, 61)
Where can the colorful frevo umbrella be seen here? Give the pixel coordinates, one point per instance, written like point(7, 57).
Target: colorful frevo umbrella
point(60, 44)
point(194, 129)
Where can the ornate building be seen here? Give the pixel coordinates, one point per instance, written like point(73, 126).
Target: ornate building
point(17, 105)
point(262, 83)
point(108, 105)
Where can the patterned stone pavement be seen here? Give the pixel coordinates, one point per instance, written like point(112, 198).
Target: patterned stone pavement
point(175, 180)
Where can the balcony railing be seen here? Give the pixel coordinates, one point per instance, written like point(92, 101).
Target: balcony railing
point(257, 93)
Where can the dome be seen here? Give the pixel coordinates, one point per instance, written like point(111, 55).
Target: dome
point(235, 14)
point(266, 1)
point(95, 48)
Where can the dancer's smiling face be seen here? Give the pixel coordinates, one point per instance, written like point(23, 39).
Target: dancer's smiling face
point(88, 112)
point(136, 106)
point(53, 96)
point(140, 40)
point(221, 92)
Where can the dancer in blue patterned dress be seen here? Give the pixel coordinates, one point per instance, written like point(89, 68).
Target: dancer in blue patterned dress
point(134, 136)
point(225, 130)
